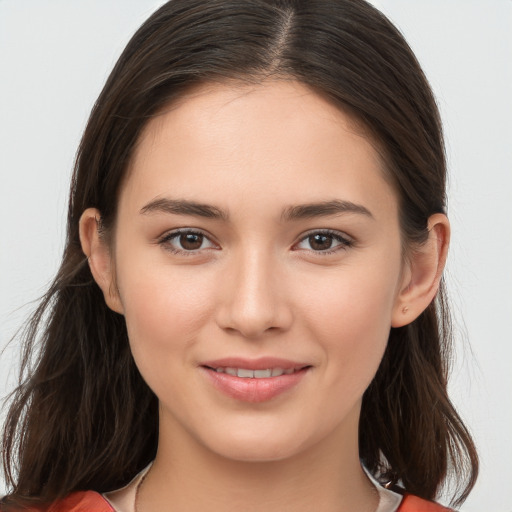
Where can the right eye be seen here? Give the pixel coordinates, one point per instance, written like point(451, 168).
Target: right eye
point(186, 241)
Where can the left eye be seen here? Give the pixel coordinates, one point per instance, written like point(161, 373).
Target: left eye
point(186, 241)
point(322, 241)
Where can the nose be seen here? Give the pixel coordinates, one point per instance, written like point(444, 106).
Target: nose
point(253, 296)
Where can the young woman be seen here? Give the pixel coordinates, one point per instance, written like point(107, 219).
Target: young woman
point(250, 311)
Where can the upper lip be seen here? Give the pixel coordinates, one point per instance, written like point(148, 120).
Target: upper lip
point(262, 363)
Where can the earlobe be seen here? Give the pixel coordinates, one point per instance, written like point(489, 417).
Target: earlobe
point(99, 257)
point(423, 274)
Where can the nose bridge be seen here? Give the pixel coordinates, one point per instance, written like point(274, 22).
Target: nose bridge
point(254, 299)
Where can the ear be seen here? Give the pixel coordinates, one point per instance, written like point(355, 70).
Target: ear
point(99, 257)
point(423, 272)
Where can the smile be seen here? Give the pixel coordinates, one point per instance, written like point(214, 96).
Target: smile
point(254, 381)
point(245, 373)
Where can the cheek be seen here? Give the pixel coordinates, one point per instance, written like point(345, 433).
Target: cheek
point(164, 311)
point(351, 319)
point(355, 300)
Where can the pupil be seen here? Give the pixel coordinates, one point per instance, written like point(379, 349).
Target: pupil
point(320, 242)
point(191, 241)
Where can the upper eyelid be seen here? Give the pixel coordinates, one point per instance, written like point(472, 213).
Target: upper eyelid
point(178, 231)
point(333, 232)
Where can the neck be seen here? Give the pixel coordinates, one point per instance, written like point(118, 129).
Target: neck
point(186, 476)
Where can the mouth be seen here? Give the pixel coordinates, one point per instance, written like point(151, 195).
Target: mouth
point(254, 380)
point(246, 373)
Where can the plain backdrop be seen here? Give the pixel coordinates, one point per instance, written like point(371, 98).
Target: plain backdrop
point(54, 58)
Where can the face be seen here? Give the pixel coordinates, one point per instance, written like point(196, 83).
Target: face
point(257, 257)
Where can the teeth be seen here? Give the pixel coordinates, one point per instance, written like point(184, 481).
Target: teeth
point(255, 374)
point(260, 374)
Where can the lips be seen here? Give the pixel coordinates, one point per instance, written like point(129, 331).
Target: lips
point(254, 380)
point(246, 373)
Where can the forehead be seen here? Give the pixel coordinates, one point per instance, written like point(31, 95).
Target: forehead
point(279, 138)
point(253, 107)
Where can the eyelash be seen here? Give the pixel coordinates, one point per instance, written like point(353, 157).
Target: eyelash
point(166, 239)
point(344, 241)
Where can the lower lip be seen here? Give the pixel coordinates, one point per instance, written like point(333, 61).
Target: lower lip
point(252, 389)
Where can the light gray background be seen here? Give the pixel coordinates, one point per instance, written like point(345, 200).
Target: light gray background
point(55, 56)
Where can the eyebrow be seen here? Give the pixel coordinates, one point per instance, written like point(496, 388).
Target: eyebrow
point(184, 207)
point(296, 212)
point(323, 209)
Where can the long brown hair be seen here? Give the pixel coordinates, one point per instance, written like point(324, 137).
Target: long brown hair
point(82, 417)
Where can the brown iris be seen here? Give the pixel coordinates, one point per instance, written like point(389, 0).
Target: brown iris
point(191, 241)
point(320, 242)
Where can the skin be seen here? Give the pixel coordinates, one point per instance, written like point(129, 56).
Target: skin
point(258, 286)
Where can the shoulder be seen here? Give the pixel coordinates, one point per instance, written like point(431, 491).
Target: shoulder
point(412, 503)
point(80, 501)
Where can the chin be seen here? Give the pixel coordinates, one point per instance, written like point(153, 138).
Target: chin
point(259, 445)
point(265, 451)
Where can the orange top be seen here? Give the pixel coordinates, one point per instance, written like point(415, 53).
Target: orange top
point(91, 501)
point(412, 503)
